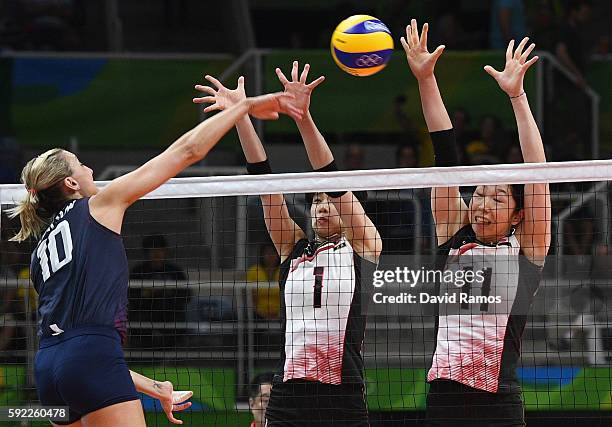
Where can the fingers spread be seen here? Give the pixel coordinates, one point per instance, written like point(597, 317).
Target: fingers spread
point(407, 39)
point(530, 62)
point(525, 54)
point(214, 81)
point(205, 100)
point(509, 50)
point(315, 82)
point(294, 71)
point(424, 36)
point(436, 53)
point(404, 44)
point(210, 108)
point(206, 89)
point(414, 33)
point(519, 49)
point(491, 71)
point(304, 74)
point(282, 77)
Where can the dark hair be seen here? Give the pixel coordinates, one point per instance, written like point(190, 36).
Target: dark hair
point(518, 193)
point(258, 381)
point(362, 196)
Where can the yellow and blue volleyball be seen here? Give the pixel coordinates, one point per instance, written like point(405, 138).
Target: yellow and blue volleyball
point(361, 45)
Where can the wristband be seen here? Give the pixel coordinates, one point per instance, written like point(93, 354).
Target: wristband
point(445, 151)
point(259, 168)
point(332, 167)
point(520, 94)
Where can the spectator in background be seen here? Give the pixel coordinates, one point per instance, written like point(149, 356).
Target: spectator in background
point(156, 265)
point(461, 122)
point(579, 231)
point(157, 303)
point(486, 148)
point(259, 395)
point(544, 22)
point(407, 156)
point(449, 28)
point(571, 47)
point(267, 299)
point(411, 133)
point(397, 217)
point(353, 158)
point(507, 22)
point(49, 25)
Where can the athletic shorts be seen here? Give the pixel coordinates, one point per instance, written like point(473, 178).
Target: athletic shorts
point(84, 369)
point(300, 403)
point(450, 403)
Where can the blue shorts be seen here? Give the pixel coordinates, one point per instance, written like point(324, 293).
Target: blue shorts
point(83, 369)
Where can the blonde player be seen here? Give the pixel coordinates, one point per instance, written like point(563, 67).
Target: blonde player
point(80, 271)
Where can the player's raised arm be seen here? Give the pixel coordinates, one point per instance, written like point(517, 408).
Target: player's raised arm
point(534, 230)
point(283, 231)
point(110, 203)
point(360, 230)
point(449, 209)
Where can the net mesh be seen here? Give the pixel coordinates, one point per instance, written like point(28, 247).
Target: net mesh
point(205, 309)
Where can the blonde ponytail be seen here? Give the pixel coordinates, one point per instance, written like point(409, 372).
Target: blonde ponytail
point(42, 177)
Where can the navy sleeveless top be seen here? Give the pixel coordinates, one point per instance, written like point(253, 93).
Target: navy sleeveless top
point(80, 271)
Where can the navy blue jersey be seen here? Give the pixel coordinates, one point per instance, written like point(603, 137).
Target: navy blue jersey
point(80, 271)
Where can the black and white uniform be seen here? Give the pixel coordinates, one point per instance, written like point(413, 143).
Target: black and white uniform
point(323, 310)
point(478, 345)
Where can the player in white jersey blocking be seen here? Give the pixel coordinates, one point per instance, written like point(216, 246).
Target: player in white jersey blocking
point(320, 376)
point(505, 229)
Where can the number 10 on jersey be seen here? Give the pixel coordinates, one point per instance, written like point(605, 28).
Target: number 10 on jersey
point(51, 263)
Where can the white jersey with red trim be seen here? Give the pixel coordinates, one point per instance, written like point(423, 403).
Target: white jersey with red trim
point(479, 344)
point(323, 318)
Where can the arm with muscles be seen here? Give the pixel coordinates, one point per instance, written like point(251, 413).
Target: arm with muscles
point(361, 232)
point(171, 401)
point(283, 231)
point(109, 205)
point(449, 209)
point(534, 231)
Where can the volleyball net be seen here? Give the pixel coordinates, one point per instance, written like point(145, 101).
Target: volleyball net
point(204, 299)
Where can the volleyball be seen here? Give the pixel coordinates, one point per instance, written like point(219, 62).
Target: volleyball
point(361, 45)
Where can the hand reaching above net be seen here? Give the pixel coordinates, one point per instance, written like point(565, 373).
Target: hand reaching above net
point(298, 87)
point(510, 80)
point(266, 107)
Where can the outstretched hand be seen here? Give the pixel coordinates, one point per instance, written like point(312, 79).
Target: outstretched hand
point(265, 107)
point(221, 97)
point(510, 80)
point(421, 62)
point(298, 87)
point(172, 401)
